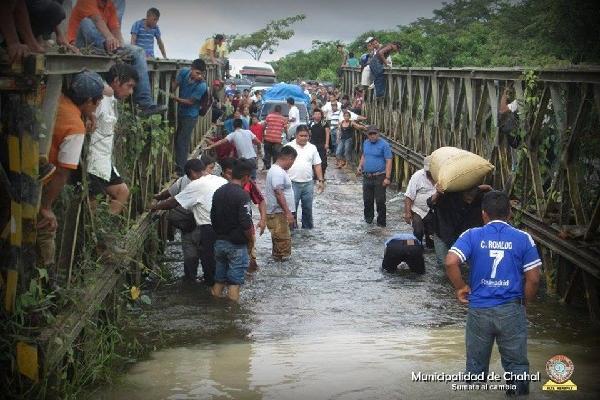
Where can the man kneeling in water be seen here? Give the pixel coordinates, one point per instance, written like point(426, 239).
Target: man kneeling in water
point(403, 247)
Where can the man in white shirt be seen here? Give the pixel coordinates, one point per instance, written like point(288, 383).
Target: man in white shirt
point(244, 141)
point(416, 211)
point(327, 107)
point(103, 176)
point(301, 174)
point(293, 118)
point(183, 219)
point(197, 197)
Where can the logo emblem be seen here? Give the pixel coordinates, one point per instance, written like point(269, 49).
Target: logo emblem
point(559, 369)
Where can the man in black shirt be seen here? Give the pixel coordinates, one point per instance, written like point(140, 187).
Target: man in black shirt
point(455, 213)
point(231, 218)
point(319, 136)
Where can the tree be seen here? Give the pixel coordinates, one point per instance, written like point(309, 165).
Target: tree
point(475, 33)
point(321, 62)
point(265, 39)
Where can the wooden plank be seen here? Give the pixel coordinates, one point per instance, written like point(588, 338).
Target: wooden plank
point(591, 295)
point(570, 161)
point(568, 293)
point(592, 227)
point(10, 293)
point(27, 361)
point(533, 139)
point(49, 107)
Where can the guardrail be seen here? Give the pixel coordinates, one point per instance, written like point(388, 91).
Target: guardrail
point(554, 173)
point(29, 98)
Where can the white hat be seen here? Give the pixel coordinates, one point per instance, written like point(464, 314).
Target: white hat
point(369, 39)
point(426, 163)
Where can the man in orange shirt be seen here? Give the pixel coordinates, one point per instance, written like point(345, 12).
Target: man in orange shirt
point(275, 123)
point(79, 101)
point(95, 23)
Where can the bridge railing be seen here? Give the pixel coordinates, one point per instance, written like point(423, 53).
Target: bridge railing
point(554, 172)
point(29, 95)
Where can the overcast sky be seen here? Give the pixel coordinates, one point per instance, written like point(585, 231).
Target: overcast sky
point(185, 24)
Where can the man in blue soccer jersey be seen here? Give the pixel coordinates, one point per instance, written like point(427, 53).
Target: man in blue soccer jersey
point(504, 277)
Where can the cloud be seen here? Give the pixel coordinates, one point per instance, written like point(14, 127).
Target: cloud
point(185, 24)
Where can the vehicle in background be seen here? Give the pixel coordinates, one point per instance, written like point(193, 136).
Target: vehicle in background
point(269, 105)
point(240, 84)
point(251, 69)
point(265, 80)
point(255, 89)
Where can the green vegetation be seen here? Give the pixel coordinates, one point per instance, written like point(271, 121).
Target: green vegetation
point(475, 33)
point(265, 39)
point(142, 148)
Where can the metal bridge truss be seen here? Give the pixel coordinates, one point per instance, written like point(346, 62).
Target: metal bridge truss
point(553, 175)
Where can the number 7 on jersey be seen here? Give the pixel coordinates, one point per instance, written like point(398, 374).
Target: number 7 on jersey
point(497, 255)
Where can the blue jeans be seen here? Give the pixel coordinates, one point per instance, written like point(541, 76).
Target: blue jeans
point(120, 6)
point(87, 28)
point(183, 135)
point(378, 76)
point(232, 262)
point(344, 149)
point(89, 35)
point(333, 140)
point(507, 325)
point(303, 192)
point(441, 251)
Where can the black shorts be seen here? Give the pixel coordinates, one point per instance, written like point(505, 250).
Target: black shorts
point(398, 251)
point(99, 185)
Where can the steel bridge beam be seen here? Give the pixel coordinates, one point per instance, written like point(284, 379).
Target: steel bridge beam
point(549, 237)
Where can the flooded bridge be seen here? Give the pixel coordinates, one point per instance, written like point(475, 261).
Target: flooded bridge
point(328, 323)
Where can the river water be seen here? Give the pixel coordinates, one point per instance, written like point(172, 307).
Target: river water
point(330, 325)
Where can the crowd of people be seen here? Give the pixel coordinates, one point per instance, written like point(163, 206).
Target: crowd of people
point(211, 201)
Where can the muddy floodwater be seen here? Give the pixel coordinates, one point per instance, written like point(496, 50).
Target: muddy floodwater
point(330, 325)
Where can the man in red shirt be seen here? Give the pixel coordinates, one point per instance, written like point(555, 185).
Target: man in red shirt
point(258, 129)
point(225, 150)
point(258, 199)
point(275, 123)
point(95, 23)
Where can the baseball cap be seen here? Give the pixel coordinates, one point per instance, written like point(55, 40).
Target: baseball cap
point(369, 39)
point(372, 129)
point(87, 85)
point(426, 163)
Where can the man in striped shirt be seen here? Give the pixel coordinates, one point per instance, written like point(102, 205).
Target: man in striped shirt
point(333, 119)
point(275, 124)
point(145, 30)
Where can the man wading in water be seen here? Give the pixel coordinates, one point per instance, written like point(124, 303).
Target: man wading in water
point(503, 278)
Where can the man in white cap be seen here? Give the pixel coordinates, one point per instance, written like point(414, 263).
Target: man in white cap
point(365, 78)
point(416, 211)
